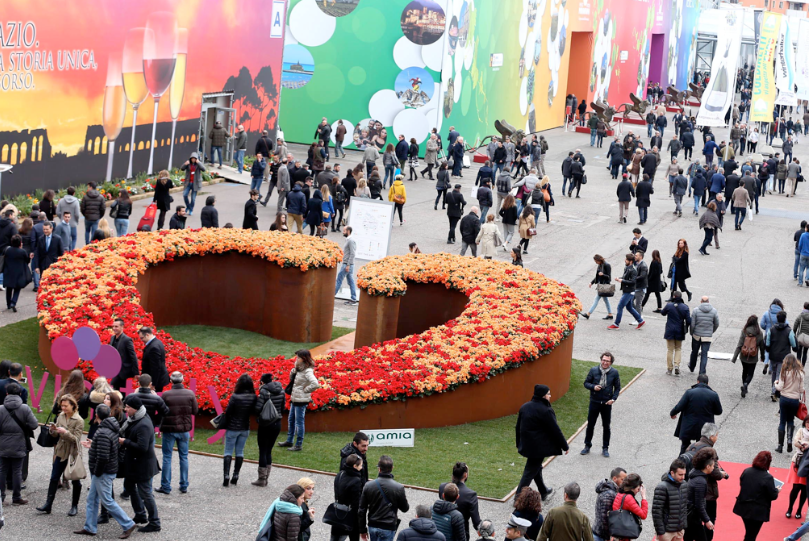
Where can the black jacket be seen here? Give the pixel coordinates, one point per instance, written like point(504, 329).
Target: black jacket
point(628, 279)
point(156, 408)
point(154, 364)
point(642, 245)
point(209, 217)
point(642, 279)
point(129, 359)
point(124, 210)
point(103, 455)
point(687, 139)
point(270, 391)
point(455, 204)
point(485, 197)
point(697, 490)
point(655, 276)
point(566, 165)
point(139, 460)
point(577, 170)
point(670, 506)
point(182, 407)
point(643, 199)
point(421, 529)
point(698, 406)
point(625, 191)
point(608, 392)
point(177, 221)
point(374, 511)
point(161, 195)
point(649, 164)
point(756, 494)
point(449, 521)
point(347, 491)
point(470, 226)
point(467, 504)
point(731, 183)
point(349, 450)
point(538, 433)
point(48, 255)
point(779, 346)
point(606, 269)
point(237, 415)
point(250, 220)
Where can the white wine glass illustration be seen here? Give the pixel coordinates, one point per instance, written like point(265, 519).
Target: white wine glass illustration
point(134, 82)
point(177, 90)
point(158, 63)
point(114, 110)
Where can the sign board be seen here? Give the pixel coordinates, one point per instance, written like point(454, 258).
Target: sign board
point(393, 437)
point(278, 18)
point(496, 60)
point(370, 221)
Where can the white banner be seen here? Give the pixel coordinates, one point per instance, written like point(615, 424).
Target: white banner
point(719, 93)
point(802, 61)
point(371, 221)
point(785, 67)
point(391, 437)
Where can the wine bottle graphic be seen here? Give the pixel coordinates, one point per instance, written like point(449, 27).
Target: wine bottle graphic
point(719, 93)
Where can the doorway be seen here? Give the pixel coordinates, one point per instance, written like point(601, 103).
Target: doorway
point(581, 58)
point(657, 60)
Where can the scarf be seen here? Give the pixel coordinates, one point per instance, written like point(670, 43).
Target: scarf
point(603, 381)
point(281, 507)
point(140, 414)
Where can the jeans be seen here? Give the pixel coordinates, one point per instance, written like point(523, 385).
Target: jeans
point(533, 472)
point(775, 372)
point(73, 236)
point(346, 274)
point(600, 140)
point(662, 130)
point(605, 411)
point(708, 239)
point(740, 215)
point(472, 245)
point(214, 150)
point(649, 128)
point(189, 201)
point(297, 418)
point(789, 407)
point(643, 214)
point(121, 226)
point(13, 295)
point(678, 203)
point(595, 303)
point(90, 227)
point(613, 171)
point(239, 157)
point(182, 439)
point(797, 262)
point(803, 266)
point(338, 149)
point(34, 274)
point(498, 168)
point(101, 492)
point(235, 441)
point(801, 531)
point(483, 212)
point(255, 183)
point(378, 534)
point(390, 171)
point(508, 232)
point(626, 302)
point(695, 350)
point(142, 499)
point(696, 203)
point(592, 136)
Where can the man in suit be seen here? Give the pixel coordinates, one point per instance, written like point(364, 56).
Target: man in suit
point(154, 358)
point(639, 242)
point(49, 248)
point(467, 501)
point(604, 384)
point(455, 205)
point(126, 348)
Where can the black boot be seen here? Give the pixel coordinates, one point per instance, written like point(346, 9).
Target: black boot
point(780, 448)
point(236, 468)
point(227, 460)
point(104, 516)
point(790, 429)
point(74, 504)
point(46, 508)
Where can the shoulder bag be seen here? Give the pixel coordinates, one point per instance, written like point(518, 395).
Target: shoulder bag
point(622, 523)
point(216, 421)
point(114, 210)
point(605, 290)
point(802, 411)
point(339, 515)
point(288, 388)
point(803, 340)
point(75, 466)
point(45, 438)
point(387, 502)
point(266, 533)
point(269, 413)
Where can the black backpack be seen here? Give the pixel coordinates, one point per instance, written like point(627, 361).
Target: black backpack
point(340, 196)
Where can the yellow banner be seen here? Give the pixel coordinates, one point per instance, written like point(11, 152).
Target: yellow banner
point(764, 93)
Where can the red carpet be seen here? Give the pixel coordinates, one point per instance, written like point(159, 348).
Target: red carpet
point(730, 526)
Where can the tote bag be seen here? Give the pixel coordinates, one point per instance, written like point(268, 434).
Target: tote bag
point(75, 466)
point(622, 523)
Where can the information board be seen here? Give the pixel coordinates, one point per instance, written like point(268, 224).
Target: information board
point(370, 221)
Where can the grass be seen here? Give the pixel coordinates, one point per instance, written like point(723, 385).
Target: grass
point(486, 446)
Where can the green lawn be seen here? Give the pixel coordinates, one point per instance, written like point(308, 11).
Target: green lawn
point(487, 446)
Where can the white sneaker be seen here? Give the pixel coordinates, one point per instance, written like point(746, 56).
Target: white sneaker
point(2, 288)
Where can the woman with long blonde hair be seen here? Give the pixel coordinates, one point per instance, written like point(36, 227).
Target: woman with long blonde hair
point(790, 385)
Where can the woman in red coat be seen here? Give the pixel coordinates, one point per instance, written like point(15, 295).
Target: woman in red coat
point(626, 497)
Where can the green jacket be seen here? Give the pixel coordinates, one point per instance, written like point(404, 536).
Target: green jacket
point(593, 122)
point(566, 523)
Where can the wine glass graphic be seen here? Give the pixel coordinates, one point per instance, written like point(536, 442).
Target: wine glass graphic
point(158, 62)
point(114, 109)
point(177, 90)
point(134, 82)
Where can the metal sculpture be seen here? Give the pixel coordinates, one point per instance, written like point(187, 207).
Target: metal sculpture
point(638, 106)
point(695, 92)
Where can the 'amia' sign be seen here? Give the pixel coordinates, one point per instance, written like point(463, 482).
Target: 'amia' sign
point(394, 437)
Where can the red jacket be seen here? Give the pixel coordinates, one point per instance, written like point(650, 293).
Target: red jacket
point(631, 504)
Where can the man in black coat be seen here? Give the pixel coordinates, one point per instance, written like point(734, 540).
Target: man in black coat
point(455, 204)
point(126, 348)
point(625, 193)
point(639, 242)
point(698, 406)
point(154, 358)
point(181, 407)
point(643, 199)
point(178, 220)
point(732, 181)
point(378, 511)
point(467, 501)
point(358, 446)
point(139, 463)
point(604, 384)
point(670, 503)
point(155, 406)
point(49, 249)
point(470, 227)
point(538, 437)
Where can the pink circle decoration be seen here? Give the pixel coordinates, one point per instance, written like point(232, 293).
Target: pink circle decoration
point(87, 342)
point(64, 353)
point(107, 362)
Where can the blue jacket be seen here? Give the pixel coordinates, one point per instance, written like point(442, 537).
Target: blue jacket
point(608, 392)
point(717, 183)
point(709, 148)
point(803, 244)
point(296, 201)
point(402, 149)
point(699, 183)
point(328, 206)
point(257, 171)
point(768, 319)
point(677, 318)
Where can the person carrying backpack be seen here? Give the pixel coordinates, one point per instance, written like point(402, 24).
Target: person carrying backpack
point(750, 348)
point(269, 406)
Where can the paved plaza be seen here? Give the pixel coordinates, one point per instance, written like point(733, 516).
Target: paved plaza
point(752, 267)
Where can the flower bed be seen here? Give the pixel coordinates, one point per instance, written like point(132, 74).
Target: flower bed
point(514, 315)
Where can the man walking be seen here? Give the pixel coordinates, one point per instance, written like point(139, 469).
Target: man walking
point(677, 322)
point(625, 192)
point(699, 405)
point(639, 242)
point(264, 144)
point(239, 148)
point(678, 189)
point(627, 282)
point(339, 137)
point(641, 281)
point(470, 227)
point(447, 518)
point(670, 504)
point(566, 522)
point(604, 384)
point(455, 206)
point(704, 322)
point(606, 490)
point(126, 349)
point(102, 462)
point(709, 435)
point(347, 268)
point(154, 358)
point(323, 134)
point(538, 437)
point(140, 463)
point(467, 500)
point(70, 203)
point(740, 200)
point(380, 503)
point(176, 427)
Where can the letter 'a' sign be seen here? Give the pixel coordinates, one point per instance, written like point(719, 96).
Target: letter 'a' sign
point(278, 18)
point(393, 437)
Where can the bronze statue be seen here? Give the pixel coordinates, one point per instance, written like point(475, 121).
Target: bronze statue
point(638, 106)
point(695, 92)
point(604, 111)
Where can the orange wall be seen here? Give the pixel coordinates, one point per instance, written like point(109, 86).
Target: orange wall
point(581, 53)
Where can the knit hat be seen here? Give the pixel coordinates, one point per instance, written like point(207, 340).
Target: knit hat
point(539, 391)
point(134, 401)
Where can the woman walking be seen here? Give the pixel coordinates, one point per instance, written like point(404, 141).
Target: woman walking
point(800, 327)
point(750, 349)
point(68, 429)
point(698, 519)
point(430, 156)
point(122, 209)
point(801, 443)
point(790, 385)
point(339, 200)
point(375, 185)
point(781, 175)
point(679, 271)
point(304, 383)
point(267, 433)
point(577, 172)
point(527, 226)
point(625, 498)
point(347, 492)
point(487, 238)
point(709, 222)
point(236, 423)
point(398, 196)
point(314, 214)
point(442, 184)
point(413, 159)
point(362, 190)
point(390, 162)
point(285, 513)
point(656, 282)
point(756, 495)
point(510, 215)
point(162, 197)
point(327, 212)
point(603, 276)
point(16, 273)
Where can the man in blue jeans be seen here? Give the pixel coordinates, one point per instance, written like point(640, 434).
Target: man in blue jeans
point(239, 148)
point(704, 323)
point(380, 503)
point(627, 282)
point(797, 238)
point(176, 427)
point(346, 269)
point(803, 248)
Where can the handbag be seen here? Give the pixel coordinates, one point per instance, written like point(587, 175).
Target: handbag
point(584, 179)
point(45, 438)
point(268, 414)
point(623, 524)
point(216, 421)
point(3, 259)
point(605, 290)
point(803, 340)
point(802, 411)
point(114, 210)
point(75, 466)
point(532, 231)
point(288, 388)
point(663, 286)
point(339, 515)
point(28, 275)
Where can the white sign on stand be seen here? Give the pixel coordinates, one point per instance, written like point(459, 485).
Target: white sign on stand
point(391, 437)
point(371, 221)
